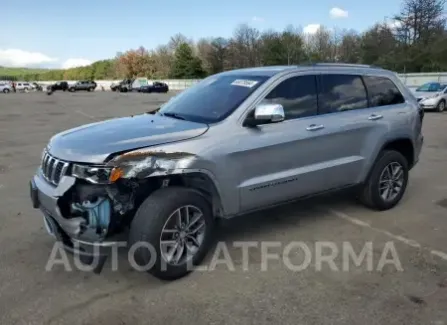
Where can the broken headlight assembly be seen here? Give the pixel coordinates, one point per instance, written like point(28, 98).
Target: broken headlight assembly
point(92, 174)
point(141, 164)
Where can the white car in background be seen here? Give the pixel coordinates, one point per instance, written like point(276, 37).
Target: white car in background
point(432, 96)
point(23, 86)
point(5, 87)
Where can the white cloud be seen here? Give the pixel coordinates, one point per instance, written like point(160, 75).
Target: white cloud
point(311, 28)
point(257, 19)
point(20, 58)
point(338, 13)
point(73, 63)
point(394, 24)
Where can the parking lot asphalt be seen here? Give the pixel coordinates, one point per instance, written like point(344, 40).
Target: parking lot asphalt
point(415, 293)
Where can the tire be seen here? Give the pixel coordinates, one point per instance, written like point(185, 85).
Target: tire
point(25, 89)
point(371, 192)
point(72, 90)
point(6, 91)
point(441, 106)
point(152, 217)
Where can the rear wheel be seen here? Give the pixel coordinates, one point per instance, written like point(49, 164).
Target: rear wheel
point(6, 90)
point(441, 106)
point(387, 182)
point(177, 223)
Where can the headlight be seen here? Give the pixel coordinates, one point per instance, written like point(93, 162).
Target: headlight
point(143, 164)
point(92, 174)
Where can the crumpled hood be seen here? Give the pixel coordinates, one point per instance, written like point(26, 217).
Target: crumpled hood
point(93, 143)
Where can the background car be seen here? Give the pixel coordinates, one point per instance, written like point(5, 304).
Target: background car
point(60, 85)
point(5, 87)
point(36, 86)
point(23, 86)
point(122, 86)
point(83, 85)
point(432, 96)
point(155, 87)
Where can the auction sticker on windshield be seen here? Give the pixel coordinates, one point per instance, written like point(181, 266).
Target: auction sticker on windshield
point(244, 83)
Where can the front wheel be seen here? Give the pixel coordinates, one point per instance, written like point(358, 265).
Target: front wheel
point(6, 90)
point(176, 223)
point(387, 181)
point(441, 106)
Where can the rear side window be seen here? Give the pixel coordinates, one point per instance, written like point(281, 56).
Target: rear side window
point(341, 93)
point(382, 91)
point(297, 95)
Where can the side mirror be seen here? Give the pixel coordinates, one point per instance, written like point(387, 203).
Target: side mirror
point(272, 113)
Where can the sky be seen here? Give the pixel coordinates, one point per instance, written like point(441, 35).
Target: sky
point(64, 34)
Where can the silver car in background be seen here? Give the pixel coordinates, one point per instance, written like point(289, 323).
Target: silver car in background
point(5, 87)
point(432, 96)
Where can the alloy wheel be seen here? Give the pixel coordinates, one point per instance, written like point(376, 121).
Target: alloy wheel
point(391, 181)
point(182, 235)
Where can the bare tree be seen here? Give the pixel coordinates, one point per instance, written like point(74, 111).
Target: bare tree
point(293, 43)
point(245, 46)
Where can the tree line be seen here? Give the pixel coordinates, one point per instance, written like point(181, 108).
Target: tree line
point(414, 40)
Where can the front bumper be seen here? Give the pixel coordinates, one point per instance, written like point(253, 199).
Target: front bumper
point(430, 103)
point(45, 196)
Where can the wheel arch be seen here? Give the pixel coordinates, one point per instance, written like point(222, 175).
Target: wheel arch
point(200, 180)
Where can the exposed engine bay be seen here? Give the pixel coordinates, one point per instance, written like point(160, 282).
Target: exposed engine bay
point(101, 210)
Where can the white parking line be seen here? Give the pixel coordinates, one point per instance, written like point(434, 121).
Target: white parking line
point(85, 114)
point(410, 242)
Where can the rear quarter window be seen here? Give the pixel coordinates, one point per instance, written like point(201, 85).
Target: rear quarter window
point(382, 91)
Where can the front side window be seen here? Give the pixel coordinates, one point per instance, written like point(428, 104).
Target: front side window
point(341, 93)
point(382, 91)
point(297, 95)
point(212, 99)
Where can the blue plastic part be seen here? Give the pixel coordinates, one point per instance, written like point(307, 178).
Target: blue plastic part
point(98, 213)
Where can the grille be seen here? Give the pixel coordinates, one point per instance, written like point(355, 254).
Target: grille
point(53, 169)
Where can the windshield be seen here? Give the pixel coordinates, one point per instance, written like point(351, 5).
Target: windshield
point(430, 87)
point(213, 99)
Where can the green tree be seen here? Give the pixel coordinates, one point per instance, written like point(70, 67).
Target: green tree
point(186, 65)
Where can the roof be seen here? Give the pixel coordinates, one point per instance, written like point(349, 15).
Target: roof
point(273, 70)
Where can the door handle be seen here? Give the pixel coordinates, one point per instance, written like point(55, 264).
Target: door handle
point(315, 127)
point(374, 117)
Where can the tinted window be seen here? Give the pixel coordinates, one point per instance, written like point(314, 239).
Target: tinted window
point(214, 98)
point(430, 87)
point(382, 91)
point(298, 96)
point(341, 93)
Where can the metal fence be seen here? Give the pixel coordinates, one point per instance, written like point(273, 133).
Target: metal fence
point(409, 79)
point(417, 79)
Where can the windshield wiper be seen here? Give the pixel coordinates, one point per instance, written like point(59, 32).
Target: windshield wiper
point(173, 115)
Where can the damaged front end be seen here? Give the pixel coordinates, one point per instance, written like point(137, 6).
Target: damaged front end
point(93, 204)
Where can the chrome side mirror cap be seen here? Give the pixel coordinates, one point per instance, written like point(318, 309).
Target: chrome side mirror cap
point(269, 113)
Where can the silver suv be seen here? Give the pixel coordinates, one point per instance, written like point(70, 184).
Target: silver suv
point(236, 142)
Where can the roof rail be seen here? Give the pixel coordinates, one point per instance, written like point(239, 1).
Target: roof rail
point(354, 65)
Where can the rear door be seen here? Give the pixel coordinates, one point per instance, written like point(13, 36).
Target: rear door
point(388, 113)
point(346, 117)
